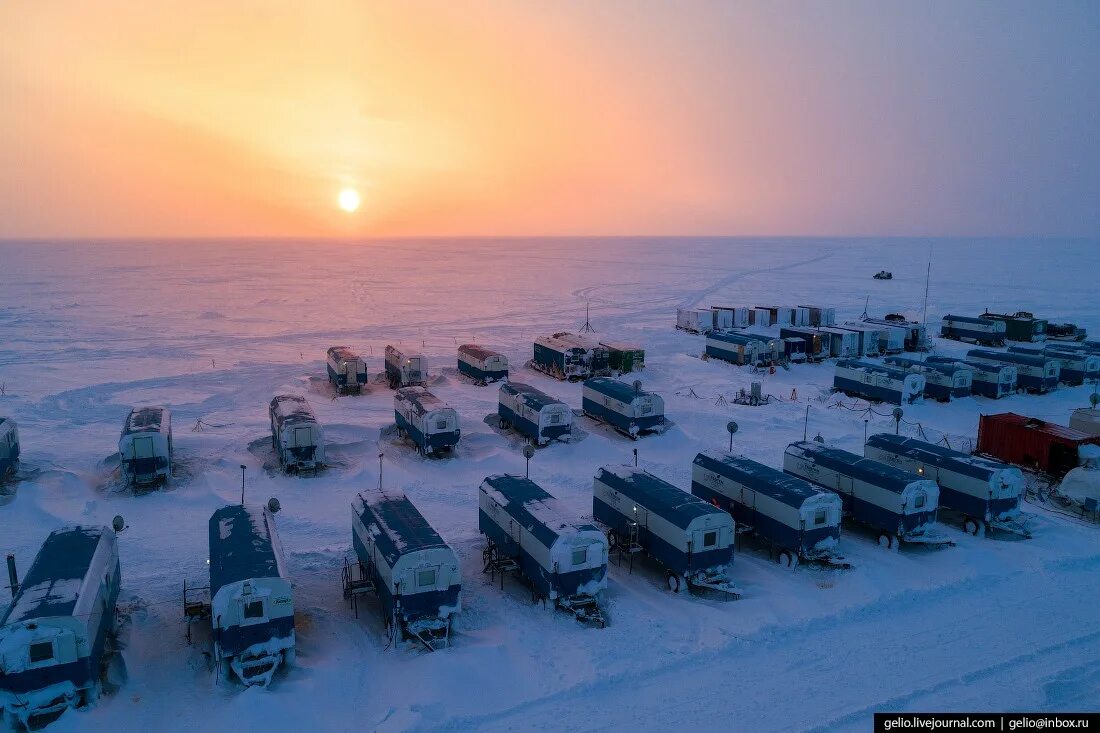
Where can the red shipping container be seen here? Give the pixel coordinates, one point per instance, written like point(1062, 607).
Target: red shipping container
point(1031, 442)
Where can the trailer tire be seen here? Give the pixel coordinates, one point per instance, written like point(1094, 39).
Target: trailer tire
point(673, 581)
point(612, 538)
point(886, 540)
point(973, 527)
point(786, 559)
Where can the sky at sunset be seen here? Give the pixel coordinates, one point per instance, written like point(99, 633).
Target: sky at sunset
point(248, 117)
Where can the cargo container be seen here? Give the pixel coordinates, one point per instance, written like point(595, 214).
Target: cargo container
point(820, 316)
point(781, 315)
point(624, 357)
point(1031, 442)
point(739, 315)
point(761, 318)
point(794, 349)
point(1020, 326)
point(695, 320)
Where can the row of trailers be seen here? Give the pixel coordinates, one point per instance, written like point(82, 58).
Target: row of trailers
point(994, 329)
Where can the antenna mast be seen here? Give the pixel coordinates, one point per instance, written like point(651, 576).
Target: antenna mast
point(587, 327)
point(927, 280)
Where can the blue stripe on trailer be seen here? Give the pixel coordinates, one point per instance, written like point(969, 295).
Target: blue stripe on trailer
point(1034, 373)
point(630, 411)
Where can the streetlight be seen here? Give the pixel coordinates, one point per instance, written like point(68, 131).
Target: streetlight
point(865, 422)
point(731, 428)
point(528, 452)
point(898, 412)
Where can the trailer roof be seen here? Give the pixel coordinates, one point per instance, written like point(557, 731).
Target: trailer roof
point(657, 495)
point(391, 349)
point(615, 389)
point(731, 337)
point(421, 398)
point(342, 353)
point(1010, 357)
point(145, 420)
point(533, 507)
point(6, 422)
point(942, 367)
point(621, 346)
point(533, 397)
point(978, 366)
point(397, 526)
point(477, 351)
point(52, 585)
point(975, 319)
point(854, 465)
point(291, 408)
point(243, 545)
point(1053, 429)
point(873, 368)
point(782, 487)
point(938, 455)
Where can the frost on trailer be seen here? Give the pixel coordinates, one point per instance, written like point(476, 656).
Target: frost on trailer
point(898, 504)
point(296, 435)
point(987, 379)
point(1074, 367)
point(797, 520)
point(403, 370)
point(878, 383)
point(981, 331)
point(689, 537)
point(736, 348)
point(987, 493)
point(54, 635)
point(346, 370)
point(9, 447)
point(564, 560)
point(428, 421)
point(1037, 374)
point(145, 446)
point(410, 567)
point(481, 364)
point(942, 382)
point(627, 408)
point(624, 357)
point(568, 356)
point(532, 413)
point(251, 600)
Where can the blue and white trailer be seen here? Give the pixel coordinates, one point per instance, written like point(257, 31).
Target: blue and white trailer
point(982, 331)
point(942, 382)
point(987, 380)
point(891, 337)
point(414, 572)
point(985, 492)
point(570, 357)
point(1033, 372)
point(481, 364)
point(1075, 367)
point(797, 520)
point(736, 348)
point(627, 408)
point(565, 560)
point(296, 435)
point(841, 343)
point(532, 413)
point(901, 506)
point(691, 538)
point(346, 370)
point(878, 383)
point(145, 446)
point(54, 635)
point(915, 334)
point(868, 337)
point(9, 447)
point(817, 346)
point(404, 369)
point(428, 421)
point(251, 599)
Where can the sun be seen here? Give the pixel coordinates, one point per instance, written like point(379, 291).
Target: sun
point(348, 199)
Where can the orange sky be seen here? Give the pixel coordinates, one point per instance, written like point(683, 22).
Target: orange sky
point(246, 117)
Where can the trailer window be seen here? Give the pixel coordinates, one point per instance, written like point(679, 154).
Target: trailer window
point(41, 651)
point(819, 517)
point(441, 424)
point(710, 539)
point(425, 578)
point(918, 503)
point(579, 556)
point(555, 419)
point(254, 609)
point(303, 437)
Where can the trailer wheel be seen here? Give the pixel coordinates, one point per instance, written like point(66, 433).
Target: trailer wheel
point(973, 526)
point(673, 582)
point(786, 559)
point(886, 540)
point(612, 538)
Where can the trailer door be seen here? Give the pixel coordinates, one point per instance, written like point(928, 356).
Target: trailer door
point(302, 437)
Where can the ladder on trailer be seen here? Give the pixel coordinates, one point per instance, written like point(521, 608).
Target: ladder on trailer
point(627, 543)
point(355, 580)
point(196, 605)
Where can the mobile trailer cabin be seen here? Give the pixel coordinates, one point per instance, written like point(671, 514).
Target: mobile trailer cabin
point(481, 364)
point(761, 317)
point(695, 320)
point(916, 336)
point(9, 447)
point(414, 572)
point(623, 357)
point(1034, 373)
point(780, 315)
point(987, 493)
point(987, 379)
point(689, 537)
point(816, 344)
point(794, 349)
point(1020, 326)
point(820, 316)
point(942, 382)
point(1031, 443)
point(900, 505)
point(773, 345)
point(736, 348)
point(840, 343)
point(427, 420)
point(632, 412)
point(296, 435)
point(1070, 332)
point(877, 383)
point(982, 331)
point(798, 520)
point(251, 600)
point(53, 636)
point(564, 559)
point(570, 357)
point(891, 337)
point(1075, 367)
point(532, 413)
point(346, 370)
point(739, 315)
point(145, 446)
point(404, 370)
point(869, 337)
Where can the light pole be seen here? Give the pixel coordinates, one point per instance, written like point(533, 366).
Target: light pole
point(865, 422)
point(806, 424)
point(528, 452)
point(731, 428)
point(243, 469)
point(898, 412)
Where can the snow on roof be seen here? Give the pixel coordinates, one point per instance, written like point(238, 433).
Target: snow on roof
point(939, 456)
point(621, 346)
point(731, 337)
point(145, 420)
point(614, 389)
point(535, 509)
point(52, 585)
point(873, 368)
point(949, 368)
point(397, 526)
point(6, 424)
point(974, 319)
point(850, 464)
point(342, 353)
point(656, 495)
point(534, 398)
point(762, 479)
point(478, 352)
point(1059, 431)
point(420, 398)
point(290, 409)
point(398, 354)
point(243, 545)
point(1010, 357)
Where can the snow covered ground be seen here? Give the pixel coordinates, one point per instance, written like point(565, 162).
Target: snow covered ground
point(213, 330)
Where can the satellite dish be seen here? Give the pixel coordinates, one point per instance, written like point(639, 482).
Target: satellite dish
point(818, 438)
point(528, 451)
point(273, 505)
point(731, 427)
point(897, 413)
point(118, 523)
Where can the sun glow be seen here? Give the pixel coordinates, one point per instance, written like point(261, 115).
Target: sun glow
point(348, 199)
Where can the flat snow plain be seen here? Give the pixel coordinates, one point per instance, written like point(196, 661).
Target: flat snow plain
point(214, 329)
